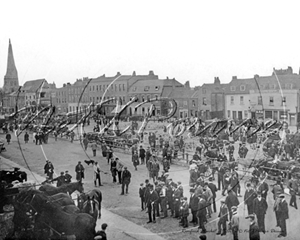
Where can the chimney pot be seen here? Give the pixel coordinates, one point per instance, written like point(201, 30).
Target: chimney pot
point(133, 74)
point(118, 74)
point(167, 77)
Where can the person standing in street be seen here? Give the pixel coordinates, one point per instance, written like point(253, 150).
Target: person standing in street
point(260, 207)
point(109, 154)
point(79, 169)
point(26, 137)
point(235, 222)
point(253, 229)
point(126, 176)
point(142, 191)
point(283, 214)
point(61, 180)
point(151, 203)
point(94, 148)
point(68, 177)
point(213, 189)
point(113, 169)
point(163, 200)
point(201, 214)
point(231, 200)
point(263, 187)
point(293, 186)
point(119, 168)
point(135, 160)
point(184, 209)
point(193, 205)
point(223, 218)
point(8, 137)
point(97, 176)
point(249, 197)
point(85, 142)
point(142, 154)
point(49, 170)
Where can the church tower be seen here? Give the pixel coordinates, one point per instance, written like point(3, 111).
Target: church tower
point(11, 81)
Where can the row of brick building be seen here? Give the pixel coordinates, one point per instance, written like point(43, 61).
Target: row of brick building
point(275, 96)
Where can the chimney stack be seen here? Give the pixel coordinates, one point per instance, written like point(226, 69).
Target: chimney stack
point(118, 74)
point(151, 73)
point(133, 74)
point(234, 77)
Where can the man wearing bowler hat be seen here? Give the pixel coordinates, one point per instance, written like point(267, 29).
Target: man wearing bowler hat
point(253, 229)
point(283, 214)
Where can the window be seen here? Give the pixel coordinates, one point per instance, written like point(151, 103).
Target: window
point(192, 114)
point(272, 86)
point(123, 99)
point(193, 103)
point(146, 89)
point(242, 100)
point(97, 88)
point(232, 88)
point(283, 101)
point(259, 100)
point(234, 114)
point(116, 87)
point(134, 89)
point(204, 91)
point(242, 87)
point(100, 88)
point(123, 87)
point(120, 89)
point(288, 86)
point(204, 101)
point(245, 113)
point(143, 99)
point(148, 97)
point(156, 88)
point(231, 100)
point(271, 101)
point(228, 113)
point(93, 88)
point(268, 114)
point(185, 103)
point(156, 97)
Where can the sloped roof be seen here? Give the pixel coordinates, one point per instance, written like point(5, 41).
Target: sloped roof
point(182, 93)
point(279, 82)
point(239, 84)
point(34, 85)
point(11, 71)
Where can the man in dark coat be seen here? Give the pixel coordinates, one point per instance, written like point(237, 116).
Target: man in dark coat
point(223, 218)
point(249, 197)
point(253, 229)
point(293, 186)
point(151, 203)
point(8, 138)
point(142, 191)
point(126, 176)
point(79, 169)
point(213, 189)
point(68, 177)
point(184, 209)
point(26, 137)
point(142, 154)
point(201, 214)
point(263, 187)
point(260, 207)
point(61, 180)
point(101, 234)
point(221, 172)
point(231, 200)
point(283, 214)
point(194, 206)
point(49, 170)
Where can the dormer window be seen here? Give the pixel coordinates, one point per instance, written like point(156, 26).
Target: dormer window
point(272, 86)
point(156, 88)
point(243, 88)
point(232, 88)
point(146, 89)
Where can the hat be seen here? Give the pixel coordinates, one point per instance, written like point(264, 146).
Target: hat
point(251, 216)
point(179, 182)
point(210, 179)
point(104, 226)
point(222, 201)
point(141, 184)
point(192, 190)
point(61, 172)
point(234, 208)
point(166, 174)
point(185, 198)
point(125, 167)
point(259, 193)
point(281, 195)
point(202, 237)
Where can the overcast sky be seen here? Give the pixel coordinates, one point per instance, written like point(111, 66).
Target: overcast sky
point(187, 40)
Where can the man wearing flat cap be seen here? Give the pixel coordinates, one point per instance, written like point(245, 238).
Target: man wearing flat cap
point(226, 181)
point(223, 218)
point(253, 229)
point(283, 214)
point(213, 189)
point(201, 214)
point(235, 222)
point(61, 180)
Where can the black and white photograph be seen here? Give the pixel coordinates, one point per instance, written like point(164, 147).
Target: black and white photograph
point(149, 120)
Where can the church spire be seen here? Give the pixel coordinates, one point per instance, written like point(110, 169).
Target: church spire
point(11, 81)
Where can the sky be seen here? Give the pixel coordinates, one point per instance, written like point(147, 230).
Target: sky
point(194, 41)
